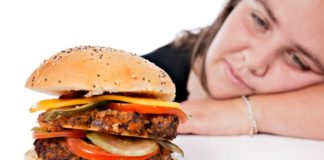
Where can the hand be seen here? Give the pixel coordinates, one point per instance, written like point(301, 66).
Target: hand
point(215, 117)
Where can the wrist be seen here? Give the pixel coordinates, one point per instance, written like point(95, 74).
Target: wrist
point(249, 108)
point(243, 123)
point(259, 114)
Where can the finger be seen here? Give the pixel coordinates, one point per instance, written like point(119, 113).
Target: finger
point(185, 128)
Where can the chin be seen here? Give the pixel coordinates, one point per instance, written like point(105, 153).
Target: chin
point(223, 91)
point(222, 94)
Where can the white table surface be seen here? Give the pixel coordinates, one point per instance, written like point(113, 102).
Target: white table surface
point(259, 147)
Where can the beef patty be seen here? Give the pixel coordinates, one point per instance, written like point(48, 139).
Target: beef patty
point(126, 123)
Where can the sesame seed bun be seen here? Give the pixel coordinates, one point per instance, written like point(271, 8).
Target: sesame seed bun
point(99, 70)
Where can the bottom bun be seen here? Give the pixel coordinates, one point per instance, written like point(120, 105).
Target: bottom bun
point(31, 155)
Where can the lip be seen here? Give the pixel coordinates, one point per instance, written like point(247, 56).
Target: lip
point(234, 77)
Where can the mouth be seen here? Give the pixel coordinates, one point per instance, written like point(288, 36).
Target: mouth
point(234, 77)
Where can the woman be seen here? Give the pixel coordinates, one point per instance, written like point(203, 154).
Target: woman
point(269, 50)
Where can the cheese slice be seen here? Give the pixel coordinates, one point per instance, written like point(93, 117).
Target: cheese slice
point(81, 127)
point(57, 103)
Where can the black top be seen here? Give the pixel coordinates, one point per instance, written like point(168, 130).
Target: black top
point(177, 64)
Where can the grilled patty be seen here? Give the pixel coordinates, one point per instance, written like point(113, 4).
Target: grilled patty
point(127, 123)
point(56, 149)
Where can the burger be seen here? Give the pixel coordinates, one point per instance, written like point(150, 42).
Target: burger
point(110, 105)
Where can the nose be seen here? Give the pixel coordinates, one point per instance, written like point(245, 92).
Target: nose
point(259, 71)
point(258, 61)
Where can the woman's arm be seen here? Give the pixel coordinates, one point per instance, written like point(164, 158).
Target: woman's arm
point(298, 114)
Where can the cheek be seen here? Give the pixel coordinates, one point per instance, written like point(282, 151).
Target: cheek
point(297, 80)
point(284, 78)
point(234, 36)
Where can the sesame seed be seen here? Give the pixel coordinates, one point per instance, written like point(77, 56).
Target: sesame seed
point(134, 77)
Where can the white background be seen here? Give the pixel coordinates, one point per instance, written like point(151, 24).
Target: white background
point(33, 30)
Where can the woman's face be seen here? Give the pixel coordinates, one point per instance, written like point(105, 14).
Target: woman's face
point(267, 46)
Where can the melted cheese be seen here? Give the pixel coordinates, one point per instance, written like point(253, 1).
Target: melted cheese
point(57, 103)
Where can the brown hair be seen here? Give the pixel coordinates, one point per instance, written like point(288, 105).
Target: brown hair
point(198, 43)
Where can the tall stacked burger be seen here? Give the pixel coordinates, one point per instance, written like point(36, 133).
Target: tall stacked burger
point(110, 105)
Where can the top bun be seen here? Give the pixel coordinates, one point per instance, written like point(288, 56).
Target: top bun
point(98, 70)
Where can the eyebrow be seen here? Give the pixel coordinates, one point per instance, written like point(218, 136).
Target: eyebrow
point(268, 10)
point(312, 57)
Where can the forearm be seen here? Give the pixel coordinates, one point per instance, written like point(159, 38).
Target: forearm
point(298, 113)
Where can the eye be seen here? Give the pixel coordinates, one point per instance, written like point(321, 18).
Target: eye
point(295, 60)
point(259, 22)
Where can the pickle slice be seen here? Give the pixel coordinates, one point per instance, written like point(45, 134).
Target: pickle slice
point(171, 146)
point(53, 114)
point(123, 146)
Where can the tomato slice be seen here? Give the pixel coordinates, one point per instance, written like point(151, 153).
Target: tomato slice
point(89, 151)
point(66, 133)
point(148, 109)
